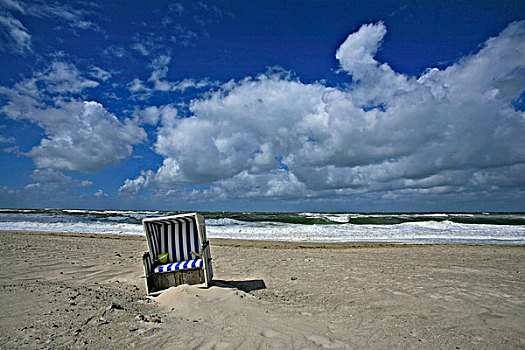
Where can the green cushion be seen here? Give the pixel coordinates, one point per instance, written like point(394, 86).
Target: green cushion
point(163, 258)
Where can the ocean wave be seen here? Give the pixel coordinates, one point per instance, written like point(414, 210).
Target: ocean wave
point(305, 226)
point(121, 228)
point(301, 218)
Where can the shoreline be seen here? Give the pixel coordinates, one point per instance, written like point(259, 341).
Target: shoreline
point(270, 244)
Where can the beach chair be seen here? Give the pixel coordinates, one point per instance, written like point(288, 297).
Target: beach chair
point(179, 252)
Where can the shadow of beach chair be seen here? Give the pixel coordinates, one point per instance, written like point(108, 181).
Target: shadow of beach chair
point(179, 252)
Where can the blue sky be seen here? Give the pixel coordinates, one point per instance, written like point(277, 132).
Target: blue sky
point(263, 105)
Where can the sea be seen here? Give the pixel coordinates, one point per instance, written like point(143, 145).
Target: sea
point(484, 228)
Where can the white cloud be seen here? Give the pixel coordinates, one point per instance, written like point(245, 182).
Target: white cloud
point(83, 136)
point(190, 83)
point(4, 139)
point(182, 36)
point(134, 186)
point(101, 193)
point(158, 82)
point(59, 81)
point(245, 128)
point(80, 135)
point(149, 43)
point(137, 85)
point(49, 186)
point(12, 5)
point(50, 180)
point(63, 78)
point(160, 69)
point(50, 176)
point(114, 51)
point(152, 115)
point(276, 183)
point(447, 131)
point(356, 54)
point(141, 48)
point(33, 186)
point(99, 73)
point(15, 36)
point(75, 18)
point(13, 150)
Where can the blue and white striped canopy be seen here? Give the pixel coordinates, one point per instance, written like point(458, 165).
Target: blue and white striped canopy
point(177, 236)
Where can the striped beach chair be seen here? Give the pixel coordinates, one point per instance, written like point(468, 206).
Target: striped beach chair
point(179, 252)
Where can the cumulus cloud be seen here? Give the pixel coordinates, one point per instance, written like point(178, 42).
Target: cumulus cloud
point(83, 136)
point(101, 193)
point(447, 131)
point(136, 185)
point(246, 127)
point(356, 54)
point(152, 115)
point(80, 135)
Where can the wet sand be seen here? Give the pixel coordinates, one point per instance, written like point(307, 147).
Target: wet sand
point(62, 290)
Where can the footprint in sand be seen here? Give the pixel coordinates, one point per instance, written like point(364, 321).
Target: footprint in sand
point(269, 333)
point(320, 340)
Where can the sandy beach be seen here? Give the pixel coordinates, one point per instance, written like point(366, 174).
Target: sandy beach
point(86, 291)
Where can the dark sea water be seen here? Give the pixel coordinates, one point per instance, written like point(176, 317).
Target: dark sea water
point(504, 228)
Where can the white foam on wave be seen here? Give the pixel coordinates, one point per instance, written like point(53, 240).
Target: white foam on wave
point(225, 222)
point(341, 218)
point(423, 231)
point(120, 228)
point(444, 231)
point(432, 215)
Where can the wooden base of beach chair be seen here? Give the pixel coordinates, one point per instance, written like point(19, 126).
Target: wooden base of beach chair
point(160, 281)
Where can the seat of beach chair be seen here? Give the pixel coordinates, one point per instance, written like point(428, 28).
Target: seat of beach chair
point(181, 265)
point(178, 252)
